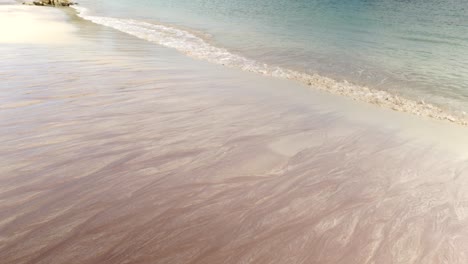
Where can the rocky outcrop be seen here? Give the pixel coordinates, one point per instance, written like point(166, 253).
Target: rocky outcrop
point(52, 3)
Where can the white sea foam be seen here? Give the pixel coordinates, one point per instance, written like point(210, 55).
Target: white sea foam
point(195, 46)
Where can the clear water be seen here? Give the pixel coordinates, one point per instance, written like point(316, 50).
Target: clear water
point(418, 48)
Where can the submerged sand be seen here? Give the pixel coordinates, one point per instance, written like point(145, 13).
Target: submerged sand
point(126, 152)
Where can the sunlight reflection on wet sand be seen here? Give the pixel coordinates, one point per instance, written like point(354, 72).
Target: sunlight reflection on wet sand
point(29, 24)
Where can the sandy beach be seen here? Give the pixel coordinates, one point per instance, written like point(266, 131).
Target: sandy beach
point(116, 150)
point(27, 24)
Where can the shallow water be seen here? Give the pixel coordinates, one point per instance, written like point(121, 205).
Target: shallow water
point(115, 150)
point(415, 48)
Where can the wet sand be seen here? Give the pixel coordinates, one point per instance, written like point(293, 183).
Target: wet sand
point(126, 152)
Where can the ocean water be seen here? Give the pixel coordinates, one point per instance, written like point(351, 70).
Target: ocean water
point(417, 49)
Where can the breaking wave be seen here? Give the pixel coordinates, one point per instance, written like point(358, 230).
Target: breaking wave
point(195, 46)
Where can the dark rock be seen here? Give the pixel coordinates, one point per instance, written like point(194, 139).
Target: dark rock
point(52, 3)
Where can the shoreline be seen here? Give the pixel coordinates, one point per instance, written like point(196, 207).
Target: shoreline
point(360, 93)
point(381, 98)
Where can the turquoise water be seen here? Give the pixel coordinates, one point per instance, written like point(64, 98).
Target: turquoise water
point(418, 49)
